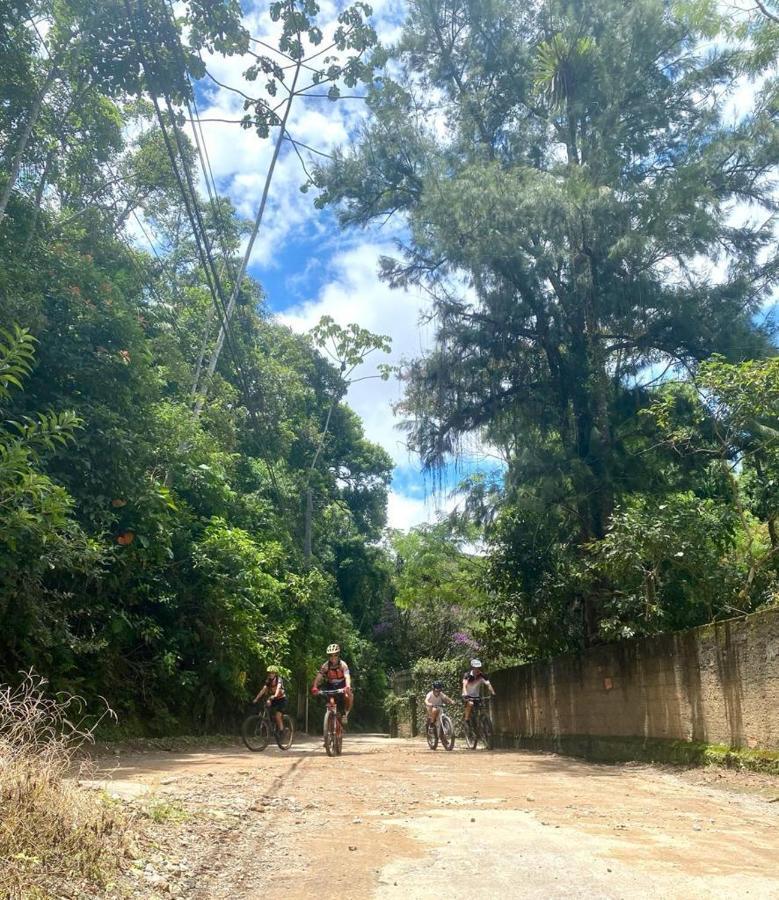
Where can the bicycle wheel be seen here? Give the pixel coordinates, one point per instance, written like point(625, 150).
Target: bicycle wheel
point(255, 733)
point(431, 733)
point(485, 727)
point(447, 733)
point(329, 733)
point(287, 733)
point(471, 735)
point(339, 736)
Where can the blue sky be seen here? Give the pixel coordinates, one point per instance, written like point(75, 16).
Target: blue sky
point(309, 267)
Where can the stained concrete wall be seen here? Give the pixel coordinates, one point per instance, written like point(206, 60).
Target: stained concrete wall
point(718, 684)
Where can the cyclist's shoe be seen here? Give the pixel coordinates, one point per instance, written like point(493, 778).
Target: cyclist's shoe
point(345, 718)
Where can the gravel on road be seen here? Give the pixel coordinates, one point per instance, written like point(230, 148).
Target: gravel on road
point(391, 819)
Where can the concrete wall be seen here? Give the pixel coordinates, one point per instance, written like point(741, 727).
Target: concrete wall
point(718, 684)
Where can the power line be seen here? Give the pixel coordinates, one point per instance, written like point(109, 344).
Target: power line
point(193, 213)
point(224, 332)
point(226, 309)
point(203, 246)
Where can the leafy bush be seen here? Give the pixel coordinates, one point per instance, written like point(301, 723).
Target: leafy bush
point(671, 562)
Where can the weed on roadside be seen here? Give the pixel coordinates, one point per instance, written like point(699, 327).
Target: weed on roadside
point(55, 837)
point(162, 812)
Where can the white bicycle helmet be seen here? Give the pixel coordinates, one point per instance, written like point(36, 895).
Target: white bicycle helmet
point(475, 663)
point(333, 648)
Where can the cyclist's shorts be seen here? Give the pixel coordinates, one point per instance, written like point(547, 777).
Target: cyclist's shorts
point(278, 704)
point(338, 699)
point(334, 685)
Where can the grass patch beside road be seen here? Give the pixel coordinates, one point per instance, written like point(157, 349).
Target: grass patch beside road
point(55, 837)
point(600, 748)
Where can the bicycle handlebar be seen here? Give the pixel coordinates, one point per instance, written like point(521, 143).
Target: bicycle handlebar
point(330, 693)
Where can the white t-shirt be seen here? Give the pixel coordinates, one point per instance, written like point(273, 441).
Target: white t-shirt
point(474, 683)
point(432, 700)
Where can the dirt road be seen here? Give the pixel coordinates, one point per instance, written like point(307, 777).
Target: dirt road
point(391, 819)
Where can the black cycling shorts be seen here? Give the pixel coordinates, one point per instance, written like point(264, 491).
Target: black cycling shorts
point(278, 704)
point(338, 698)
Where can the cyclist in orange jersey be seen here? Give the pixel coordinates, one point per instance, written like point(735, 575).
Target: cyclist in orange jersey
point(335, 675)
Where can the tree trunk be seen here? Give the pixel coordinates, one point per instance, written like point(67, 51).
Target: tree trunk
point(772, 533)
point(202, 355)
point(593, 440)
point(307, 539)
point(24, 139)
point(50, 157)
point(770, 520)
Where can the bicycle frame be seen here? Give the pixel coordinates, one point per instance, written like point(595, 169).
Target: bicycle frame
point(333, 736)
point(479, 714)
point(270, 718)
point(441, 713)
point(438, 725)
point(479, 704)
point(331, 695)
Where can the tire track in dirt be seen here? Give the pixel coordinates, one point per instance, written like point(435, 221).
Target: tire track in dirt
point(390, 819)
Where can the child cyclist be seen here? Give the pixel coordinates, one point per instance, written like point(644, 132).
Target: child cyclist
point(277, 698)
point(435, 700)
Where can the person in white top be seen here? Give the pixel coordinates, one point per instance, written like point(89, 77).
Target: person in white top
point(472, 683)
point(435, 700)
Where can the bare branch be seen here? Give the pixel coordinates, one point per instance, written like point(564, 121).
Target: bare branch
point(767, 12)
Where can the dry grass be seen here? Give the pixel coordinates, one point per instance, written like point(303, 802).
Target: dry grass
point(56, 839)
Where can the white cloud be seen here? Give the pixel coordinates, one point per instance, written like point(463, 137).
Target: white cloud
point(355, 294)
point(240, 159)
point(352, 291)
point(404, 512)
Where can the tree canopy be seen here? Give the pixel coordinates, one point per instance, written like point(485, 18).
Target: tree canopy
point(153, 529)
point(574, 189)
point(185, 495)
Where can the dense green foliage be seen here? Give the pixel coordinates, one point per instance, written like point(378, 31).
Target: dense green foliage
point(576, 187)
point(593, 223)
point(152, 552)
point(438, 597)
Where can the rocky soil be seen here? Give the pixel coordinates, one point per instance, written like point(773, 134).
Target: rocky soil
point(392, 819)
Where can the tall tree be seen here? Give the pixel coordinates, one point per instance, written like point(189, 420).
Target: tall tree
point(567, 177)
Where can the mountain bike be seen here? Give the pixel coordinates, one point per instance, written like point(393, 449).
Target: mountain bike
point(479, 726)
point(442, 729)
point(257, 729)
point(332, 728)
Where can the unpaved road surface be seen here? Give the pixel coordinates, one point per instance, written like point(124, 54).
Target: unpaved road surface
point(391, 819)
